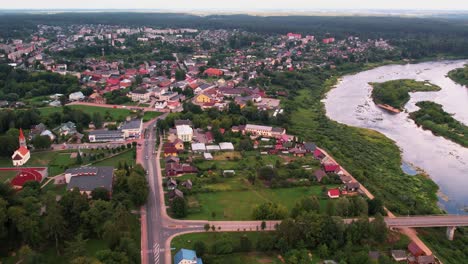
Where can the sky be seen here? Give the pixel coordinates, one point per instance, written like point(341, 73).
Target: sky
point(238, 4)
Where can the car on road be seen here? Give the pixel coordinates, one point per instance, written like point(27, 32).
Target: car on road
point(146, 157)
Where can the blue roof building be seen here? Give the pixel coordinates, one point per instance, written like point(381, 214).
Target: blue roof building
point(187, 256)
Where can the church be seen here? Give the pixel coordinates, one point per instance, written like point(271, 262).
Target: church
point(21, 155)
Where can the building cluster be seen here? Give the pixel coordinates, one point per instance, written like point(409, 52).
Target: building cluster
point(128, 130)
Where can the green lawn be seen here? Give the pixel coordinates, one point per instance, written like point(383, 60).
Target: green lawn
point(55, 160)
point(115, 113)
point(238, 205)
point(7, 175)
point(114, 161)
point(150, 115)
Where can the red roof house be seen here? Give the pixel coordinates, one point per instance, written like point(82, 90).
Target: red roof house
point(318, 154)
point(334, 193)
point(331, 168)
point(213, 72)
point(414, 249)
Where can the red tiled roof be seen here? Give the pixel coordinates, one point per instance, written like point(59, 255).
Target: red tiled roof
point(23, 151)
point(213, 72)
point(331, 167)
point(21, 135)
point(334, 192)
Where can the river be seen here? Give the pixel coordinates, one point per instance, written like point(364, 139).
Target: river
point(446, 162)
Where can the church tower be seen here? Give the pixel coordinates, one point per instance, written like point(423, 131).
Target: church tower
point(22, 139)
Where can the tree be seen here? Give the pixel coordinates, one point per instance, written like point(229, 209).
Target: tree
point(378, 228)
point(79, 160)
point(180, 75)
point(111, 257)
point(138, 188)
point(245, 243)
point(223, 245)
point(263, 225)
point(206, 227)
point(41, 142)
point(179, 207)
point(76, 247)
point(322, 251)
point(100, 193)
point(200, 248)
point(270, 211)
point(94, 219)
point(54, 224)
point(97, 119)
point(3, 217)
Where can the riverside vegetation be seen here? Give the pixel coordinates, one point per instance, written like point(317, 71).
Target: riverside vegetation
point(460, 75)
point(396, 93)
point(431, 116)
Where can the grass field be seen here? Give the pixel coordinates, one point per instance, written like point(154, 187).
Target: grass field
point(150, 115)
point(114, 161)
point(115, 113)
point(238, 205)
point(55, 160)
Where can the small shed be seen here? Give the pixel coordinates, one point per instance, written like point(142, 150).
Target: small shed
point(399, 255)
point(334, 193)
point(207, 156)
point(212, 148)
point(198, 147)
point(226, 146)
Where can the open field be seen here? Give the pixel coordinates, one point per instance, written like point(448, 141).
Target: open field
point(238, 205)
point(115, 114)
point(127, 156)
point(150, 115)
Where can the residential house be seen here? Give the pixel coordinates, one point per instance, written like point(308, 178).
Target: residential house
point(212, 72)
point(352, 186)
point(318, 154)
point(399, 255)
point(187, 184)
point(175, 193)
point(65, 129)
point(202, 98)
point(174, 169)
point(86, 179)
point(171, 159)
point(170, 150)
point(309, 147)
point(264, 131)
point(319, 175)
point(185, 256)
point(160, 104)
point(171, 184)
point(415, 250)
point(334, 193)
point(178, 144)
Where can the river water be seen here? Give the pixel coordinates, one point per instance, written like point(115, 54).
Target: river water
point(446, 162)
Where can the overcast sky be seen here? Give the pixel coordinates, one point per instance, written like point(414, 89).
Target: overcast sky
point(237, 4)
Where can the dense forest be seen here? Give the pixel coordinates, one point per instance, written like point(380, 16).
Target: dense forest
point(396, 93)
point(17, 83)
point(417, 37)
point(45, 229)
point(460, 75)
point(431, 116)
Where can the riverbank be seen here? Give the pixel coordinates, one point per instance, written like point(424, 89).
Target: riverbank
point(432, 117)
point(459, 75)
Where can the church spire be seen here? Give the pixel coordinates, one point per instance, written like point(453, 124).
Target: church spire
point(22, 139)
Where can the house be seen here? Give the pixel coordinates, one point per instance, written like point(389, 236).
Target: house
point(207, 156)
point(170, 150)
point(174, 169)
point(132, 129)
point(212, 72)
point(176, 193)
point(185, 256)
point(415, 250)
point(187, 184)
point(22, 154)
point(426, 260)
point(171, 184)
point(185, 133)
point(334, 193)
point(86, 179)
point(297, 152)
point(77, 96)
point(171, 159)
point(202, 98)
point(331, 168)
point(229, 173)
point(49, 134)
point(65, 129)
point(319, 175)
point(178, 144)
point(160, 104)
point(318, 154)
point(226, 146)
point(309, 147)
point(352, 186)
point(140, 95)
point(399, 255)
point(104, 135)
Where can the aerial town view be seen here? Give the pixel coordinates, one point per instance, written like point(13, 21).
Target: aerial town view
point(243, 132)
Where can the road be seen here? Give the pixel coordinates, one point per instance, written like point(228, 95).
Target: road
point(427, 221)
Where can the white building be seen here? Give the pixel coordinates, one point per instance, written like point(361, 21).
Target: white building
point(132, 128)
point(160, 104)
point(140, 96)
point(77, 96)
point(22, 154)
point(185, 133)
